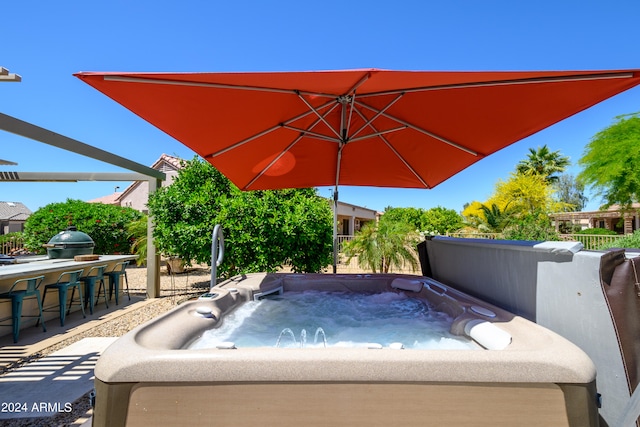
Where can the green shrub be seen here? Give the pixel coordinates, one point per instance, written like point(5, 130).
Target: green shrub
point(4, 238)
point(105, 224)
point(531, 227)
point(597, 231)
point(10, 240)
point(628, 241)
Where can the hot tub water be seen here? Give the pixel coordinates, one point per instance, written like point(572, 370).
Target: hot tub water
point(317, 319)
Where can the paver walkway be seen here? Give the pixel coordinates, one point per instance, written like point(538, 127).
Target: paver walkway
point(50, 385)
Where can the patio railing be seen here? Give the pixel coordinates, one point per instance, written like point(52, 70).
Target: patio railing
point(342, 238)
point(591, 241)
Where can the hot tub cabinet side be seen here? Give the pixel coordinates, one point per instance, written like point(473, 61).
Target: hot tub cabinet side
point(344, 403)
point(149, 377)
point(588, 297)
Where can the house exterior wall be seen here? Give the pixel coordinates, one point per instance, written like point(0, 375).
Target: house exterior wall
point(138, 196)
point(351, 218)
point(7, 227)
point(12, 217)
point(612, 219)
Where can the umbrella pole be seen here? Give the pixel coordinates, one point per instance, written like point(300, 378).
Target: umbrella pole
point(335, 230)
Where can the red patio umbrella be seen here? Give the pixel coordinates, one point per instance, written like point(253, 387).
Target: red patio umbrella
point(411, 129)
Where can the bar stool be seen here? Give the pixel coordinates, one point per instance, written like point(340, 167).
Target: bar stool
point(114, 279)
point(96, 274)
point(73, 282)
point(17, 295)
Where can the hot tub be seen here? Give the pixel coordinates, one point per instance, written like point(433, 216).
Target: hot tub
point(519, 374)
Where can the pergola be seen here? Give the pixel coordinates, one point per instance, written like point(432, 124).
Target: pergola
point(137, 172)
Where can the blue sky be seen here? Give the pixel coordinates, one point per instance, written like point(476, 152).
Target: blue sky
point(46, 42)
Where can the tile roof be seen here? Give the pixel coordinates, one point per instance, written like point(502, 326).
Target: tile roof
point(14, 211)
point(172, 161)
point(111, 199)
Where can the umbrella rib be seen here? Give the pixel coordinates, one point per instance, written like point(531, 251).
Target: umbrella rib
point(558, 79)
point(424, 131)
point(351, 104)
point(352, 101)
point(377, 133)
point(367, 122)
point(271, 129)
point(321, 117)
point(212, 85)
point(398, 155)
point(305, 132)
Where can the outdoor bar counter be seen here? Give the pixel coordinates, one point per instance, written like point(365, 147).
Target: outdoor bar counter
point(51, 269)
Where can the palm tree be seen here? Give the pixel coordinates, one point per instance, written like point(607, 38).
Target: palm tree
point(543, 162)
point(384, 245)
point(493, 220)
point(137, 231)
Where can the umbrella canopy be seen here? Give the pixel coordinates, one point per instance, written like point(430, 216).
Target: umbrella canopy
point(410, 129)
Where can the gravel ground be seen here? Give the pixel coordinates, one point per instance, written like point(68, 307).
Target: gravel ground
point(174, 289)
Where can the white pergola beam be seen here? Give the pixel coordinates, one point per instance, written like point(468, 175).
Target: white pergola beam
point(70, 176)
point(144, 173)
point(28, 130)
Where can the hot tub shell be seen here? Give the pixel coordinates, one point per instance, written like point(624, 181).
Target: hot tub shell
point(148, 377)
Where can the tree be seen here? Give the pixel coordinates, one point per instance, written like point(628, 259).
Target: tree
point(436, 220)
point(411, 216)
point(384, 245)
point(185, 212)
point(263, 229)
point(526, 193)
point(611, 162)
point(570, 192)
point(520, 203)
point(544, 163)
point(137, 231)
point(490, 219)
point(441, 220)
point(267, 229)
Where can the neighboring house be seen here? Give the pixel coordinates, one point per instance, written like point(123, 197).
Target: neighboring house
point(12, 217)
point(136, 195)
point(614, 218)
point(111, 199)
point(351, 218)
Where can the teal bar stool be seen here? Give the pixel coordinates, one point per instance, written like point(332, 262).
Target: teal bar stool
point(67, 280)
point(115, 280)
point(21, 290)
point(95, 275)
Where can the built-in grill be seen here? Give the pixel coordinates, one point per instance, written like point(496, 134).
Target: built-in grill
point(69, 243)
